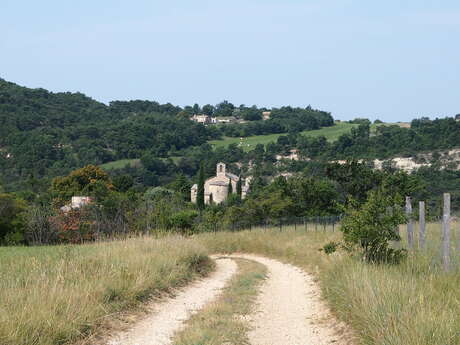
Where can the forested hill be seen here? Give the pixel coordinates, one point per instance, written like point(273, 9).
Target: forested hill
point(44, 133)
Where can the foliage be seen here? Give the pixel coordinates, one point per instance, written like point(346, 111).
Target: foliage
point(183, 220)
point(369, 229)
point(11, 220)
point(87, 181)
point(200, 194)
point(330, 247)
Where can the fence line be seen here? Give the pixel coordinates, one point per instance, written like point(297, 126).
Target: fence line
point(446, 232)
point(421, 224)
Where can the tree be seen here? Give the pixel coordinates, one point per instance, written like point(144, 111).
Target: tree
point(11, 225)
point(239, 189)
point(230, 187)
point(123, 183)
point(200, 194)
point(90, 180)
point(368, 229)
point(182, 186)
point(208, 109)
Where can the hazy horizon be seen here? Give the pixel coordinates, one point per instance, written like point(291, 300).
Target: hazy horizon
point(390, 61)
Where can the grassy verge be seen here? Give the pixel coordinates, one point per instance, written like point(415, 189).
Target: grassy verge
point(414, 303)
point(222, 322)
point(57, 295)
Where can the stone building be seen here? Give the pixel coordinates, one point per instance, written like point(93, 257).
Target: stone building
point(76, 203)
point(204, 119)
point(216, 188)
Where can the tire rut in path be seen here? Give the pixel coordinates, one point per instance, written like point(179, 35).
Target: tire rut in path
point(289, 310)
point(169, 316)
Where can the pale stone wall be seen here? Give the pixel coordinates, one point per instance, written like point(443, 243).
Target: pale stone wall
point(218, 186)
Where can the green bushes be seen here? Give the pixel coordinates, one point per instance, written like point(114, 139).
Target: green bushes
point(369, 229)
point(11, 219)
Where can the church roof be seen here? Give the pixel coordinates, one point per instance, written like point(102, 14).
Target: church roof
point(232, 176)
point(218, 183)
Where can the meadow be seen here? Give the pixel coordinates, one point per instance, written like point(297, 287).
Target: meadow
point(59, 295)
point(55, 295)
point(249, 143)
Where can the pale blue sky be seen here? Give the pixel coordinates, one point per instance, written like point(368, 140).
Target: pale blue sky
point(393, 60)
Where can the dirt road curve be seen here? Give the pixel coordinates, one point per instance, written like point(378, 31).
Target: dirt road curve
point(168, 317)
point(289, 310)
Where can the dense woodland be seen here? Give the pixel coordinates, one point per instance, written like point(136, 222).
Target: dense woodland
point(52, 143)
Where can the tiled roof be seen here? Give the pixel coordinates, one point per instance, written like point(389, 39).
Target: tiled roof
point(232, 176)
point(219, 183)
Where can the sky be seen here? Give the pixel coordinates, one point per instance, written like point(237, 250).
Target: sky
point(394, 60)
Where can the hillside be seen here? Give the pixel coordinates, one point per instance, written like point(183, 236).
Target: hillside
point(45, 134)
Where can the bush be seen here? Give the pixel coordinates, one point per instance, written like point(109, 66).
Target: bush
point(330, 247)
point(369, 229)
point(183, 220)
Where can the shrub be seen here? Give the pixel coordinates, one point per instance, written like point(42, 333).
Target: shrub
point(370, 228)
point(183, 220)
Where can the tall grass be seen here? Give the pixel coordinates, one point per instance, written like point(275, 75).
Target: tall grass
point(56, 295)
point(414, 303)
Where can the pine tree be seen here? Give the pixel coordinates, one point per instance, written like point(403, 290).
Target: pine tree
point(211, 199)
point(200, 192)
point(239, 189)
point(230, 187)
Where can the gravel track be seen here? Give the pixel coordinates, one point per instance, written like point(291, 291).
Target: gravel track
point(169, 316)
point(289, 309)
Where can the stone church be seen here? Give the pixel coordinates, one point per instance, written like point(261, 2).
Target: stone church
point(217, 187)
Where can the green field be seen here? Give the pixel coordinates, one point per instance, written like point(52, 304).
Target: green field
point(331, 134)
point(135, 163)
point(249, 143)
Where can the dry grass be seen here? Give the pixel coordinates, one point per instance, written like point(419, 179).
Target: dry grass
point(414, 303)
point(223, 322)
point(57, 295)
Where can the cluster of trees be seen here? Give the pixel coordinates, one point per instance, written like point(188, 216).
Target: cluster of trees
point(282, 120)
point(387, 141)
point(122, 206)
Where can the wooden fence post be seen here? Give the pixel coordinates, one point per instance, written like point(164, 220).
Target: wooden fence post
point(410, 223)
point(446, 233)
point(421, 224)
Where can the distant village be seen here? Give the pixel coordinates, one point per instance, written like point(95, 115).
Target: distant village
point(208, 120)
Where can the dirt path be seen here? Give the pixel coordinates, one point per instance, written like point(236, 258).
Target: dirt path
point(168, 317)
point(289, 310)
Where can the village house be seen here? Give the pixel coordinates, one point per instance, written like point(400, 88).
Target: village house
point(76, 203)
point(293, 155)
point(266, 115)
point(216, 188)
point(204, 119)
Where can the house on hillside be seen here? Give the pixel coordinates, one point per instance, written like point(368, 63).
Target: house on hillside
point(266, 115)
point(204, 119)
point(216, 188)
point(76, 203)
